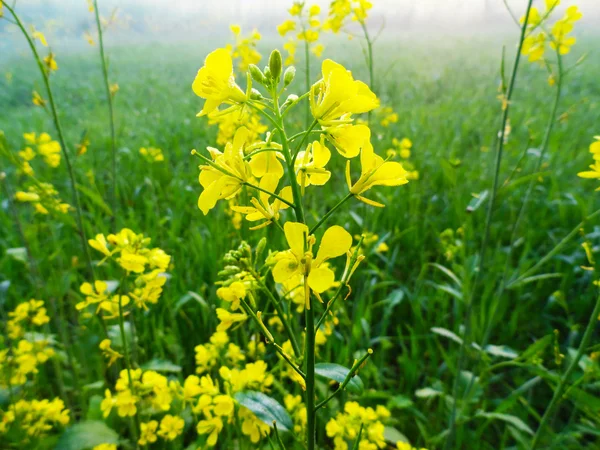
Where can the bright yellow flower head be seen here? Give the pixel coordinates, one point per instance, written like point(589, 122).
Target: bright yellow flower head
point(227, 319)
point(215, 82)
point(286, 27)
point(296, 9)
point(212, 427)
point(310, 165)
point(263, 207)
point(299, 259)
point(225, 176)
point(349, 140)
point(338, 94)
point(105, 447)
point(148, 432)
point(375, 172)
point(594, 173)
point(171, 427)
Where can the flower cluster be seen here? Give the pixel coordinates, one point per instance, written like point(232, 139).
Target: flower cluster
point(42, 145)
point(29, 348)
point(44, 198)
point(341, 10)
point(344, 428)
point(152, 154)
point(37, 418)
point(559, 39)
point(243, 51)
point(133, 255)
point(305, 20)
point(595, 168)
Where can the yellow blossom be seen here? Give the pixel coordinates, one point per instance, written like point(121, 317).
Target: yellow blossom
point(215, 82)
point(171, 427)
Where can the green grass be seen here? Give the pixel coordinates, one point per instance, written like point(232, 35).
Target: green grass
point(444, 94)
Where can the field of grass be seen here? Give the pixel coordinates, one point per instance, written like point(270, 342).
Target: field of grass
point(408, 303)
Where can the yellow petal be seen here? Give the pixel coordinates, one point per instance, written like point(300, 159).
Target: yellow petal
point(295, 233)
point(321, 279)
point(286, 267)
point(335, 242)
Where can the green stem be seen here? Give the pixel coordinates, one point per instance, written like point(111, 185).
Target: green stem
point(307, 77)
point(306, 134)
point(484, 243)
point(369, 60)
point(272, 194)
point(330, 212)
point(587, 335)
point(111, 115)
point(61, 138)
point(280, 313)
point(351, 373)
point(309, 356)
point(135, 427)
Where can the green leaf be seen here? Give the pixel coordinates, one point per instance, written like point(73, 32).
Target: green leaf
point(513, 420)
point(399, 402)
point(536, 348)
point(85, 435)
point(18, 253)
point(477, 201)
point(161, 365)
point(266, 409)
point(95, 198)
point(448, 334)
point(114, 334)
point(392, 435)
point(501, 351)
point(339, 373)
point(428, 393)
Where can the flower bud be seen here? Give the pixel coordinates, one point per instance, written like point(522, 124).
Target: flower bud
point(255, 95)
point(256, 74)
point(275, 64)
point(260, 248)
point(289, 75)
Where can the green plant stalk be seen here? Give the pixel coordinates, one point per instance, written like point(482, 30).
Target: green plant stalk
point(135, 427)
point(307, 77)
point(280, 313)
point(587, 335)
point(330, 212)
point(529, 272)
point(111, 116)
point(61, 138)
point(503, 281)
point(309, 342)
point(482, 258)
point(353, 370)
point(309, 356)
point(370, 61)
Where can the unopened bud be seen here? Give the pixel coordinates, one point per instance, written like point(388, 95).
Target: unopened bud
point(255, 95)
point(289, 75)
point(256, 74)
point(275, 64)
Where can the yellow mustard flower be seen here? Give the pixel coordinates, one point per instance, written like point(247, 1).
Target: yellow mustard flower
point(108, 352)
point(263, 207)
point(375, 172)
point(171, 427)
point(286, 27)
point(299, 259)
point(50, 63)
point(148, 432)
point(215, 82)
point(310, 165)
point(225, 176)
point(337, 94)
point(105, 447)
point(212, 427)
point(152, 154)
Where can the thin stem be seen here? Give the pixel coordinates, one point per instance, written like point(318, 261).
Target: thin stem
point(61, 138)
point(127, 360)
point(587, 335)
point(357, 365)
point(330, 212)
point(258, 188)
point(529, 272)
point(484, 243)
point(111, 115)
point(370, 61)
point(310, 129)
point(309, 356)
point(280, 313)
